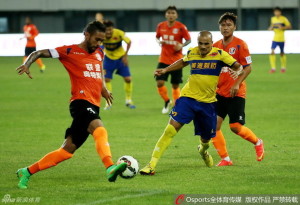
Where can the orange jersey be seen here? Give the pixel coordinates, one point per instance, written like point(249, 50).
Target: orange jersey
point(172, 36)
point(30, 32)
point(238, 49)
point(85, 71)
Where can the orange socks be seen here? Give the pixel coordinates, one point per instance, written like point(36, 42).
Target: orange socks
point(39, 62)
point(245, 132)
point(175, 93)
point(102, 146)
point(220, 144)
point(49, 160)
point(163, 92)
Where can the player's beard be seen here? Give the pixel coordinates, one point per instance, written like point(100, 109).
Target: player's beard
point(90, 48)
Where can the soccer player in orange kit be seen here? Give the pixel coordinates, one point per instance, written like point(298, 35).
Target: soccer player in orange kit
point(83, 62)
point(231, 93)
point(169, 34)
point(31, 31)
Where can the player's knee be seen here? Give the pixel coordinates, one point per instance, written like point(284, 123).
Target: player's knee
point(127, 80)
point(235, 127)
point(175, 86)
point(160, 83)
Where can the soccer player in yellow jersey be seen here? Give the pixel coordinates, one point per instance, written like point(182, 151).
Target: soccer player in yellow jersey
point(279, 24)
point(197, 99)
point(116, 59)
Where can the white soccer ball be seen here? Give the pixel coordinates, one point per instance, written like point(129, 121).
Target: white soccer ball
point(132, 166)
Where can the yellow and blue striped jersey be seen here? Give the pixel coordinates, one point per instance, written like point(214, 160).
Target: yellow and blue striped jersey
point(113, 47)
point(205, 71)
point(279, 33)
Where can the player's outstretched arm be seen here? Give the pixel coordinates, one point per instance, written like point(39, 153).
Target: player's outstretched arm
point(175, 66)
point(32, 58)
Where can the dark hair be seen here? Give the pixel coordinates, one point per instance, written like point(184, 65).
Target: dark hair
point(94, 26)
point(277, 9)
point(228, 16)
point(108, 23)
point(171, 8)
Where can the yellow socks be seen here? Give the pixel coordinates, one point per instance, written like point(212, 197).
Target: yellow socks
point(108, 86)
point(128, 91)
point(283, 61)
point(162, 144)
point(272, 58)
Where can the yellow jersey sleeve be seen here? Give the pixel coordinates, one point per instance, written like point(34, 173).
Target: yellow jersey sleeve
point(186, 58)
point(125, 38)
point(227, 58)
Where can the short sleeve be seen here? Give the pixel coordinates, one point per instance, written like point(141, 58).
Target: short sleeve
point(186, 57)
point(124, 37)
point(245, 58)
point(185, 33)
point(286, 22)
point(54, 53)
point(158, 35)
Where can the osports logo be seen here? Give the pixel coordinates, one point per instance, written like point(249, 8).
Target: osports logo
point(179, 199)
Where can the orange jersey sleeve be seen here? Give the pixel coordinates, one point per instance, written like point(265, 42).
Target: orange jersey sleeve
point(238, 49)
point(30, 32)
point(84, 70)
point(171, 36)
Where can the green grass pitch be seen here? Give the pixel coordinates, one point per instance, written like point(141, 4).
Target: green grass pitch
point(34, 115)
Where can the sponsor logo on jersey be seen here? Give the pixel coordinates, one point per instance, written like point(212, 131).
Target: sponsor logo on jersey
point(232, 50)
point(214, 54)
point(78, 53)
point(175, 30)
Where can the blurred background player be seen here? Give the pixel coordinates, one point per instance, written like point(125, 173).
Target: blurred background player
point(31, 31)
point(231, 93)
point(197, 98)
point(279, 24)
point(83, 63)
point(99, 17)
point(116, 58)
point(169, 35)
